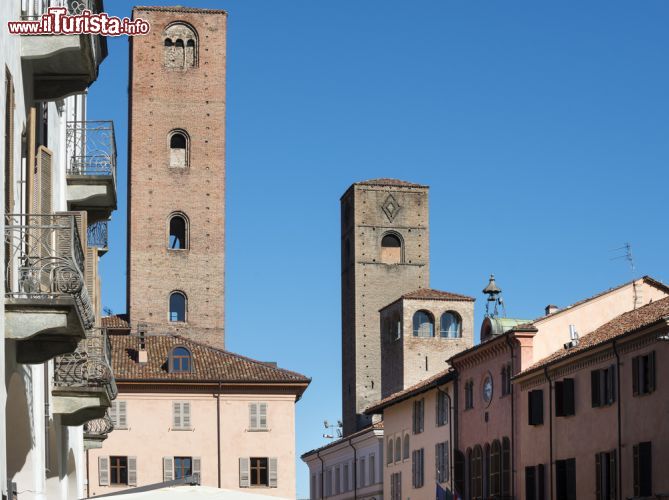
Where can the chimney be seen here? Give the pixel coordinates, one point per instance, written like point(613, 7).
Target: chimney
point(142, 355)
point(550, 309)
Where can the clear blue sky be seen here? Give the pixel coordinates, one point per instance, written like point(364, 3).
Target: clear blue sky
point(542, 129)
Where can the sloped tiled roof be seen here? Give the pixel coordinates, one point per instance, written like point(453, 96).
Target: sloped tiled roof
point(432, 294)
point(620, 325)
point(389, 182)
point(116, 321)
point(178, 8)
point(422, 386)
point(209, 364)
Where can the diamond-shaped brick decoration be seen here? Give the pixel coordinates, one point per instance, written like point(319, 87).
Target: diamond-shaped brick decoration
point(390, 207)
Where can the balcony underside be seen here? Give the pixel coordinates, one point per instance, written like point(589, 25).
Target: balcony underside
point(93, 443)
point(43, 327)
point(62, 65)
point(77, 405)
point(96, 194)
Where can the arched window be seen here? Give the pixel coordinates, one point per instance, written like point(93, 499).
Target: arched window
point(178, 238)
point(180, 47)
point(423, 324)
point(179, 148)
point(495, 469)
point(389, 453)
point(391, 249)
point(476, 474)
point(405, 450)
point(178, 307)
point(180, 360)
point(506, 467)
point(398, 449)
point(451, 325)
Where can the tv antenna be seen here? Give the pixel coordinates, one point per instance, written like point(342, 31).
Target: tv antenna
point(629, 257)
point(332, 430)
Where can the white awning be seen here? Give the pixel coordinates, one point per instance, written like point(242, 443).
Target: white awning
point(195, 493)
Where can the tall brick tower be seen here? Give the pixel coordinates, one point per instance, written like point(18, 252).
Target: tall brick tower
point(385, 253)
point(176, 173)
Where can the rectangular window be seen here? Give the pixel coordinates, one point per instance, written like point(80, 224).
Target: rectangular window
point(337, 480)
point(535, 482)
point(643, 374)
point(564, 398)
point(183, 467)
point(257, 416)
point(346, 482)
point(643, 472)
point(605, 475)
point(181, 415)
point(443, 407)
point(418, 415)
point(506, 379)
point(396, 486)
point(417, 468)
point(565, 479)
point(118, 468)
point(362, 469)
point(372, 469)
point(469, 395)
point(442, 462)
point(535, 407)
point(603, 386)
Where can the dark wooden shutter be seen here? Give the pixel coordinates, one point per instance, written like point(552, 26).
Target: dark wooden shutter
point(611, 384)
point(571, 479)
point(651, 372)
point(613, 475)
point(541, 482)
point(594, 388)
point(635, 375)
point(559, 399)
point(561, 480)
point(530, 483)
point(569, 404)
point(637, 486)
point(645, 469)
point(598, 476)
point(536, 407)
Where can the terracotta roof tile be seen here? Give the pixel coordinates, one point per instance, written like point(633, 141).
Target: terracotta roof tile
point(617, 327)
point(422, 386)
point(389, 182)
point(116, 321)
point(432, 294)
point(178, 8)
point(209, 363)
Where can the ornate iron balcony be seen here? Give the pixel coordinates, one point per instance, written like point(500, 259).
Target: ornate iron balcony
point(44, 260)
point(98, 234)
point(92, 148)
point(89, 366)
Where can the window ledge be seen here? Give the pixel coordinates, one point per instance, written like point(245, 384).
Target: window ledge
point(178, 250)
point(258, 430)
point(187, 429)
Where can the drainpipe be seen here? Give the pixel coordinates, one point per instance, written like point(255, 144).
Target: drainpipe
point(620, 430)
point(550, 427)
point(218, 430)
point(454, 432)
point(318, 454)
point(355, 469)
point(513, 421)
point(47, 451)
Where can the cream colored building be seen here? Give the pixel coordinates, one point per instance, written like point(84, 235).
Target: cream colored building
point(188, 409)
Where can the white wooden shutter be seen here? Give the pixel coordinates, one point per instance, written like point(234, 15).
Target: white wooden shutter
point(168, 468)
point(122, 414)
point(196, 468)
point(132, 471)
point(176, 415)
point(103, 471)
point(244, 478)
point(253, 415)
point(273, 472)
point(113, 414)
point(185, 415)
point(262, 415)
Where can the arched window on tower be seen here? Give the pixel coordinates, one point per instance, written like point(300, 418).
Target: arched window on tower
point(451, 325)
point(181, 47)
point(178, 307)
point(179, 146)
point(178, 238)
point(391, 249)
point(423, 324)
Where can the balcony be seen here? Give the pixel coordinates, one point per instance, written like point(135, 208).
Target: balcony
point(84, 384)
point(97, 236)
point(96, 431)
point(47, 306)
point(91, 168)
point(63, 65)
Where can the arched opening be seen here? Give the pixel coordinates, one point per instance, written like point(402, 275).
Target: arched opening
point(398, 449)
point(389, 452)
point(451, 325)
point(495, 469)
point(181, 54)
point(178, 149)
point(506, 467)
point(423, 324)
point(178, 237)
point(177, 307)
point(476, 474)
point(391, 249)
point(405, 450)
point(180, 360)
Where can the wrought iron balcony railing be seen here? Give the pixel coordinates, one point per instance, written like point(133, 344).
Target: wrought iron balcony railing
point(44, 260)
point(98, 235)
point(89, 366)
point(92, 148)
point(74, 8)
point(98, 428)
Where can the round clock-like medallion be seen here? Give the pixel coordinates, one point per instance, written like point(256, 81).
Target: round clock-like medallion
point(487, 389)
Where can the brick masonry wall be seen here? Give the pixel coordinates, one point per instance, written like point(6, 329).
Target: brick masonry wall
point(368, 284)
point(161, 100)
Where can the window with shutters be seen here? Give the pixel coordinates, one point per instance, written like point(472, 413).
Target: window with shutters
point(535, 482)
point(418, 416)
point(459, 471)
point(396, 486)
point(565, 479)
point(506, 467)
point(417, 468)
point(643, 471)
point(258, 417)
point(564, 398)
point(372, 468)
point(405, 447)
point(606, 475)
point(535, 407)
point(506, 379)
point(495, 469)
point(337, 480)
point(441, 462)
point(122, 470)
point(346, 486)
point(476, 473)
point(643, 374)
point(118, 412)
point(603, 386)
point(443, 407)
point(181, 416)
point(263, 472)
point(362, 469)
point(389, 452)
point(260, 472)
point(183, 467)
point(469, 395)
